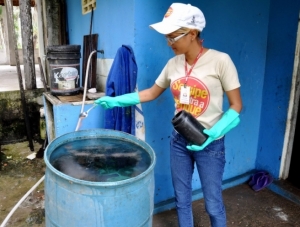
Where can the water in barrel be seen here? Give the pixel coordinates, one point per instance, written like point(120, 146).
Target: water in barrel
point(100, 159)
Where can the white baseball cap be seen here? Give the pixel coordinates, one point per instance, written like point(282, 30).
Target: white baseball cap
point(180, 15)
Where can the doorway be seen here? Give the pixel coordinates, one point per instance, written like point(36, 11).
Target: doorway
point(294, 177)
point(290, 155)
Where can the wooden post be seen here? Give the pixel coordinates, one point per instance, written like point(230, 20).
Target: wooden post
point(9, 8)
point(27, 44)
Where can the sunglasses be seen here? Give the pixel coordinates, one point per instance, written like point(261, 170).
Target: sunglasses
point(173, 40)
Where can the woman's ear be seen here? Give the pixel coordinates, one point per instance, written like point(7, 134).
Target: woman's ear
point(194, 34)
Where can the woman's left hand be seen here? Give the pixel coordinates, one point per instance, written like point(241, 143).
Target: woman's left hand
point(200, 148)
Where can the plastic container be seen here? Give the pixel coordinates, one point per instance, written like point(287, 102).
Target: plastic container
point(188, 126)
point(73, 202)
point(64, 67)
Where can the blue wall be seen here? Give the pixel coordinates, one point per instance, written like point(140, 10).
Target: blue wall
point(115, 27)
point(282, 31)
point(239, 28)
point(259, 37)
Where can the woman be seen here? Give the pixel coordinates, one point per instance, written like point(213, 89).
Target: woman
point(202, 75)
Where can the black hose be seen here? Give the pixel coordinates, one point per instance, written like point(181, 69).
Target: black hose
point(91, 22)
point(91, 48)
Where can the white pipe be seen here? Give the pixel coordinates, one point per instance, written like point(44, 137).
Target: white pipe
point(21, 200)
point(84, 89)
point(77, 127)
point(86, 79)
point(78, 123)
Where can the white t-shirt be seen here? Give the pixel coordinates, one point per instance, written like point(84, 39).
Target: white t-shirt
point(213, 73)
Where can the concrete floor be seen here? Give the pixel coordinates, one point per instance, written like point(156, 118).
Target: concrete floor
point(271, 206)
point(244, 207)
point(10, 80)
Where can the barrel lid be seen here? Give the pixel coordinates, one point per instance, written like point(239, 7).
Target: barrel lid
point(63, 48)
point(63, 55)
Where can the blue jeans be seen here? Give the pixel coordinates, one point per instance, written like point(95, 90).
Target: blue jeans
point(210, 163)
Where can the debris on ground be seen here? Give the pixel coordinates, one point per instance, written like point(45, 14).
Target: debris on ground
point(18, 175)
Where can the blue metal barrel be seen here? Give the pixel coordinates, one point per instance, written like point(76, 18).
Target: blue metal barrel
point(73, 202)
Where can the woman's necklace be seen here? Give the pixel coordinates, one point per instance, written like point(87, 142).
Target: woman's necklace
point(187, 73)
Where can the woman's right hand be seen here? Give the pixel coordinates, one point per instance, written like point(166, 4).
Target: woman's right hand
point(108, 102)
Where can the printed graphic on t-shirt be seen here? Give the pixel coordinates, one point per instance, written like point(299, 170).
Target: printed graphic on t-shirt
point(199, 96)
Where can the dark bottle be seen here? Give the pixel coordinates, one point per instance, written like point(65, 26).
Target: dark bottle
point(188, 126)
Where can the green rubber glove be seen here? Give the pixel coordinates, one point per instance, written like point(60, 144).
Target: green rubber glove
point(108, 102)
point(228, 121)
